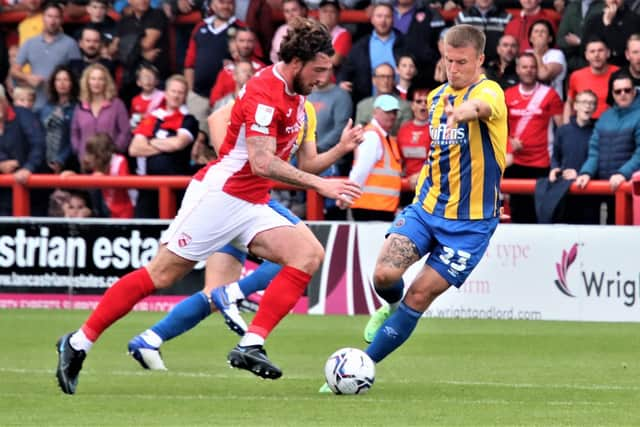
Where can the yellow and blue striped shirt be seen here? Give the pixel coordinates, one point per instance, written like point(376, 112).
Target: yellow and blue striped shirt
point(461, 179)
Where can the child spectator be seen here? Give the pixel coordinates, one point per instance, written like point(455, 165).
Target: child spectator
point(150, 96)
point(24, 96)
point(101, 159)
point(406, 70)
point(77, 205)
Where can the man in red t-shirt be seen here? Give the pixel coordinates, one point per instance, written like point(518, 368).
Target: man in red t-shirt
point(532, 107)
point(594, 77)
point(226, 202)
point(530, 12)
point(413, 140)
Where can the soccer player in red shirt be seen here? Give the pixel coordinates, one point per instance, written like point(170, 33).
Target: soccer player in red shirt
point(227, 202)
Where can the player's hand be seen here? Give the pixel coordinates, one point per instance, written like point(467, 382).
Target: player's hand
point(348, 86)
point(351, 136)
point(553, 174)
point(340, 189)
point(609, 12)
point(616, 180)
point(583, 180)
point(184, 6)
point(572, 39)
point(22, 175)
point(452, 114)
point(34, 81)
point(569, 174)
point(516, 144)
point(9, 166)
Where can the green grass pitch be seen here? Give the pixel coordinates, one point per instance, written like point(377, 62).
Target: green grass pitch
point(451, 372)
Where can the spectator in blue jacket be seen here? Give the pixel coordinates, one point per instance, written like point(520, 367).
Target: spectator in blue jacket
point(22, 152)
point(614, 147)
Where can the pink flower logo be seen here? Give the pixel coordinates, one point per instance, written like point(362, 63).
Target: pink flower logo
point(563, 266)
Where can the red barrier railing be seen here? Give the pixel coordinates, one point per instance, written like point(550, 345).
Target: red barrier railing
point(315, 202)
point(164, 184)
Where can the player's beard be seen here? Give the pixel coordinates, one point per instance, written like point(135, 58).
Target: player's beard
point(299, 87)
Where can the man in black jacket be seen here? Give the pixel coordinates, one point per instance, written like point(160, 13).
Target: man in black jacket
point(421, 26)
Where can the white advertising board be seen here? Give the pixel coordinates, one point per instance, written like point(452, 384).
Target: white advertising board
point(540, 272)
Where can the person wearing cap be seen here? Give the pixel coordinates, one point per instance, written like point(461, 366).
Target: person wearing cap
point(329, 16)
point(377, 165)
point(383, 80)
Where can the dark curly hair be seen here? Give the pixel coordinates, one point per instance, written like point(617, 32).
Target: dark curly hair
point(54, 98)
point(304, 40)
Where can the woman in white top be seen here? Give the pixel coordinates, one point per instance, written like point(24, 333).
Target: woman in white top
point(552, 65)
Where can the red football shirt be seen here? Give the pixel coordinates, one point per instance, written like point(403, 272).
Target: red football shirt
point(529, 118)
point(584, 79)
point(413, 145)
point(265, 107)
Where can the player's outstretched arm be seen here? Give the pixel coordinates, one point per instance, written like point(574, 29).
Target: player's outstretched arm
point(312, 162)
point(473, 109)
point(265, 163)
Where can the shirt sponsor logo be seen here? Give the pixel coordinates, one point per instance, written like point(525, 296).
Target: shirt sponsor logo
point(443, 135)
point(264, 114)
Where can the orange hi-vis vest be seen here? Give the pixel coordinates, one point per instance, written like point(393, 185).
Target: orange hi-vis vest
point(381, 191)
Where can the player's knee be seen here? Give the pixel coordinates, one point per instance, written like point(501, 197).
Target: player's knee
point(384, 277)
point(308, 258)
point(420, 297)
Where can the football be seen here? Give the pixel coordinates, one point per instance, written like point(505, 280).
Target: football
point(350, 371)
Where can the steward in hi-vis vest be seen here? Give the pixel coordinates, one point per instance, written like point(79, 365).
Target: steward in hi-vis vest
point(377, 166)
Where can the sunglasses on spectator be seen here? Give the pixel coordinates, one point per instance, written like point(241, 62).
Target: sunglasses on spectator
point(626, 90)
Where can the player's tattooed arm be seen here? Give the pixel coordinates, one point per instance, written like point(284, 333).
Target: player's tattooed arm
point(399, 252)
point(264, 162)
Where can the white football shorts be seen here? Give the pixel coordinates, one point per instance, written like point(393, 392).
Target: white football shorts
point(208, 219)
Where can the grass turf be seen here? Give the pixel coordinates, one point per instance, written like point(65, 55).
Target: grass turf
point(451, 372)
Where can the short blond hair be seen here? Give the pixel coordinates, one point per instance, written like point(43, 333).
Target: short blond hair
point(19, 91)
point(464, 35)
point(110, 86)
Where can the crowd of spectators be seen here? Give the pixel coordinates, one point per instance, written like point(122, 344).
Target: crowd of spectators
point(110, 96)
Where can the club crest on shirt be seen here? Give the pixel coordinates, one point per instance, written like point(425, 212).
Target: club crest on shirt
point(264, 114)
point(184, 239)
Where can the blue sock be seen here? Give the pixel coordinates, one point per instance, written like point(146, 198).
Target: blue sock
point(184, 316)
point(393, 332)
point(392, 294)
point(260, 278)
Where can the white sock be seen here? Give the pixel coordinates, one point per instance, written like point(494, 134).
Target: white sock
point(151, 338)
point(79, 341)
point(251, 339)
point(234, 293)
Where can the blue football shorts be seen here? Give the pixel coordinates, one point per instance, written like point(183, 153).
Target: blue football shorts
point(241, 255)
point(455, 246)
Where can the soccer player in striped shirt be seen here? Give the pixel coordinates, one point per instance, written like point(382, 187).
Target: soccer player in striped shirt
point(456, 208)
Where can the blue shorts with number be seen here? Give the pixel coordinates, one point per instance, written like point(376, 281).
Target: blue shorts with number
point(455, 246)
point(241, 255)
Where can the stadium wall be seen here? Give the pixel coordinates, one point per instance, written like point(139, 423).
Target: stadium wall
point(530, 272)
